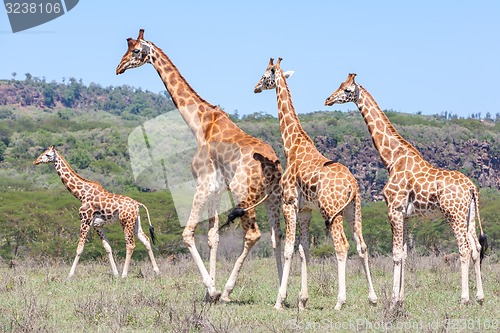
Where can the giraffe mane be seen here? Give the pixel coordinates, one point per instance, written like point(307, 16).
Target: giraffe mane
point(294, 113)
point(391, 127)
point(74, 172)
point(161, 53)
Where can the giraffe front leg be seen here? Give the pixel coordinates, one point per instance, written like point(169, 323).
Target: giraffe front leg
point(199, 201)
point(252, 235)
point(84, 229)
point(213, 232)
point(107, 248)
point(304, 219)
point(289, 213)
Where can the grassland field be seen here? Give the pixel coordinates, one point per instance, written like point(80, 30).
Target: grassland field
point(35, 296)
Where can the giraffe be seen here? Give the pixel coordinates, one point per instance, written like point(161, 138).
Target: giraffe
point(98, 208)
point(417, 187)
point(226, 158)
point(312, 181)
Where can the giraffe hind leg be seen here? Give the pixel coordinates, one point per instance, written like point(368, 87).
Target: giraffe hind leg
point(128, 231)
point(252, 235)
point(341, 247)
point(147, 244)
point(353, 216)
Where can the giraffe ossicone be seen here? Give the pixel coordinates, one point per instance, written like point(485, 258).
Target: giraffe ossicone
point(100, 207)
point(312, 181)
point(416, 187)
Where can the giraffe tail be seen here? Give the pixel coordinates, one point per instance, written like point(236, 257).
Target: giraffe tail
point(239, 212)
point(352, 196)
point(151, 228)
point(483, 239)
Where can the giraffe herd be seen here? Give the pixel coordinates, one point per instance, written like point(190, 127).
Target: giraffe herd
point(228, 159)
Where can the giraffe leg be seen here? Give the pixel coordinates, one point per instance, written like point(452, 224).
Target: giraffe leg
point(398, 254)
point(475, 249)
point(213, 232)
point(462, 235)
point(341, 247)
point(84, 229)
point(147, 244)
point(479, 283)
point(273, 214)
point(252, 235)
point(304, 219)
point(128, 230)
point(353, 216)
point(199, 200)
point(107, 248)
point(289, 212)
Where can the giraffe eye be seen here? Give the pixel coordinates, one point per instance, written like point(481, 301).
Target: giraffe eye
point(136, 51)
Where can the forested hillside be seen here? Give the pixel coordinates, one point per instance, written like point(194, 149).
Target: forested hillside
point(92, 127)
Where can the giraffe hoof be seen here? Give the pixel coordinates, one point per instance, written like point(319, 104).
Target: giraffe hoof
point(278, 307)
point(225, 299)
point(395, 305)
point(373, 299)
point(212, 298)
point(464, 301)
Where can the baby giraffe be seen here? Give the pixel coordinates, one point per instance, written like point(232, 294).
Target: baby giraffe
point(312, 181)
point(98, 208)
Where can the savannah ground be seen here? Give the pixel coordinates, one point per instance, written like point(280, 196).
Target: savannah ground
point(35, 296)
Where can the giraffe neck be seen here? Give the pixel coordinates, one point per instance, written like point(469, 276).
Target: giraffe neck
point(76, 184)
point(292, 132)
point(194, 109)
point(389, 144)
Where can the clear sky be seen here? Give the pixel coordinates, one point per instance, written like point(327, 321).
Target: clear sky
point(429, 56)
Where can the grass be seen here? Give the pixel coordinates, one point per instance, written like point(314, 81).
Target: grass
point(36, 297)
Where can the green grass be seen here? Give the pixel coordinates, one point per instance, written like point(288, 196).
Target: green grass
point(37, 297)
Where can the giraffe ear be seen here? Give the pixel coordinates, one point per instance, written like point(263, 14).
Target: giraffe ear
point(288, 74)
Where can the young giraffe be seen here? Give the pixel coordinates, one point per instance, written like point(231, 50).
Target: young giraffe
point(226, 158)
point(98, 208)
point(312, 181)
point(416, 187)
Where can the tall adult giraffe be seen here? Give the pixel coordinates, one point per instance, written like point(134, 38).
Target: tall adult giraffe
point(98, 208)
point(312, 181)
point(416, 187)
point(226, 158)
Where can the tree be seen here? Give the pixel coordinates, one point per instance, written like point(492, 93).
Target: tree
point(49, 95)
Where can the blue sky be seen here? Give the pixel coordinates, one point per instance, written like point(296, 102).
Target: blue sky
point(428, 56)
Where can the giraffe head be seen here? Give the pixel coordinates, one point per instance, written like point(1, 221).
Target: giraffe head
point(347, 92)
point(47, 156)
point(138, 53)
point(268, 80)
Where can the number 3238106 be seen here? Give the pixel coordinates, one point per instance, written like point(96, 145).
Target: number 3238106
point(33, 8)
